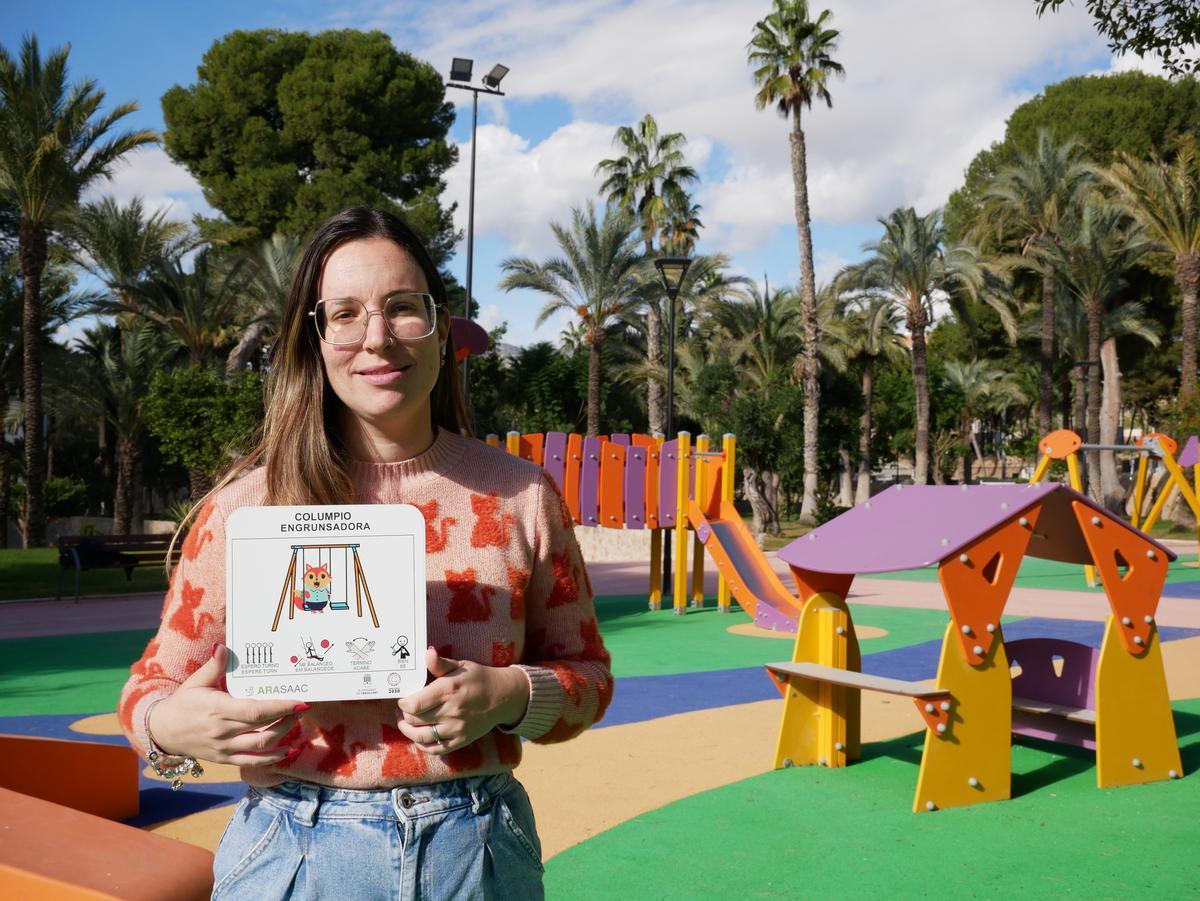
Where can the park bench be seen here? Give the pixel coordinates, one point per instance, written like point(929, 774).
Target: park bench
point(127, 552)
point(1039, 716)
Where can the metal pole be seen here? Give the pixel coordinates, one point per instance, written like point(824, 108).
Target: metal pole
point(667, 578)
point(470, 234)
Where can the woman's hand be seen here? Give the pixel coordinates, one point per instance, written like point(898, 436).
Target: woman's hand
point(465, 701)
point(201, 720)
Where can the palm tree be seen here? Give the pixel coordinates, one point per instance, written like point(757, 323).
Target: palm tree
point(1165, 198)
point(121, 364)
point(758, 331)
point(761, 326)
point(872, 326)
point(1030, 203)
point(120, 244)
point(598, 277)
point(272, 266)
point(1093, 263)
point(681, 230)
point(53, 145)
point(792, 55)
point(911, 265)
point(983, 389)
point(1121, 320)
point(648, 178)
point(194, 311)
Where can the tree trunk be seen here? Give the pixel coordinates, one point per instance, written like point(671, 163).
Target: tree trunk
point(1112, 494)
point(965, 439)
point(593, 397)
point(1187, 276)
point(760, 511)
point(771, 483)
point(1046, 380)
point(1079, 408)
point(1095, 325)
point(808, 299)
point(243, 353)
point(199, 484)
point(5, 470)
point(863, 492)
point(845, 479)
point(123, 496)
point(32, 252)
point(920, 370)
point(655, 392)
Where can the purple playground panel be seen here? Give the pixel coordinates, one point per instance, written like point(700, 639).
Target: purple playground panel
point(635, 488)
point(911, 526)
point(1060, 672)
point(622, 440)
point(668, 473)
point(1190, 455)
point(589, 483)
point(555, 457)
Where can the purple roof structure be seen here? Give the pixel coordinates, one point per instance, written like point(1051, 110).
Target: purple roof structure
point(911, 526)
point(1190, 455)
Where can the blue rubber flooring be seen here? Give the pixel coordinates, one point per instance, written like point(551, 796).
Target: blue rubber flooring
point(640, 698)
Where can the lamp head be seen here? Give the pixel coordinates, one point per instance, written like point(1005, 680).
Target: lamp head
point(460, 69)
point(493, 78)
point(672, 270)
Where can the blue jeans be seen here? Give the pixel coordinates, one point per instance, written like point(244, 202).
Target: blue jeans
point(467, 838)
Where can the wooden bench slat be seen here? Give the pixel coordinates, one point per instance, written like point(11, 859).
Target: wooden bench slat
point(923, 689)
point(852, 679)
point(1075, 714)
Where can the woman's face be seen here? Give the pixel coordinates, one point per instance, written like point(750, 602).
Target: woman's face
point(384, 384)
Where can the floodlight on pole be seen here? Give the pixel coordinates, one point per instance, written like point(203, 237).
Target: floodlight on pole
point(672, 270)
point(492, 79)
point(460, 77)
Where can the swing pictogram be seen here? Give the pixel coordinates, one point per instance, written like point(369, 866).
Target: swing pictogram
point(319, 589)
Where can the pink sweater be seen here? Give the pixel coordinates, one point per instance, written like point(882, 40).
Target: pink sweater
point(506, 585)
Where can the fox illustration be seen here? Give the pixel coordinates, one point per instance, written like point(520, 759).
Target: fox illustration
point(315, 595)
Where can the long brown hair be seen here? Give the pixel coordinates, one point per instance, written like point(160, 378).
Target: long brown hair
point(299, 444)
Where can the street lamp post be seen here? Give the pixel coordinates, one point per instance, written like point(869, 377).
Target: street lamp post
point(460, 77)
point(672, 270)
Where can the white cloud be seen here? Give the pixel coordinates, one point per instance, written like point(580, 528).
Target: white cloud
point(827, 264)
point(490, 317)
point(520, 188)
point(161, 183)
point(929, 83)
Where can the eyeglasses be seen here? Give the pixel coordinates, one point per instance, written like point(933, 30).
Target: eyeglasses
point(409, 316)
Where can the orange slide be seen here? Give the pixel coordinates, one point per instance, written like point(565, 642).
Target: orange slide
point(758, 589)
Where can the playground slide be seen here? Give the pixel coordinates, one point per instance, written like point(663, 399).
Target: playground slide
point(758, 589)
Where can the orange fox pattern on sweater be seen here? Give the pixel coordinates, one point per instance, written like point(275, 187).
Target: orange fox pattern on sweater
point(510, 589)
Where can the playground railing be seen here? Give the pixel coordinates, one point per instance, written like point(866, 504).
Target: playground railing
point(632, 481)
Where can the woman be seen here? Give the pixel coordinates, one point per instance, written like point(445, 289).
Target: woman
point(369, 799)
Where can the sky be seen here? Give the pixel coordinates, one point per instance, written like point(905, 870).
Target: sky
point(928, 84)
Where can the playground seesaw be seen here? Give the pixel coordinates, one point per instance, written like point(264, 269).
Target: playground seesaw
point(1067, 445)
point(1114, 700)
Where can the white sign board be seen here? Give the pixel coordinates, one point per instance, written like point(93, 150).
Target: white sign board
point(325, 603)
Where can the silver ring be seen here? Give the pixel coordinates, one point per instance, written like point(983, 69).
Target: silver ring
point(436, 737)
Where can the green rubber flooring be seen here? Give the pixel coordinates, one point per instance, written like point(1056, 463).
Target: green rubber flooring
point(816, 833)
point(1037, 573)
point(645, 643)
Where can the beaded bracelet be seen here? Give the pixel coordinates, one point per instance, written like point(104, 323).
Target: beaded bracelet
point(174, 773)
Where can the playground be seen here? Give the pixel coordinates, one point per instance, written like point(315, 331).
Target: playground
point(695, 759)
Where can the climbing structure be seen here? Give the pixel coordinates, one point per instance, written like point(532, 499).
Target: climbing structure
point(977, 537)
